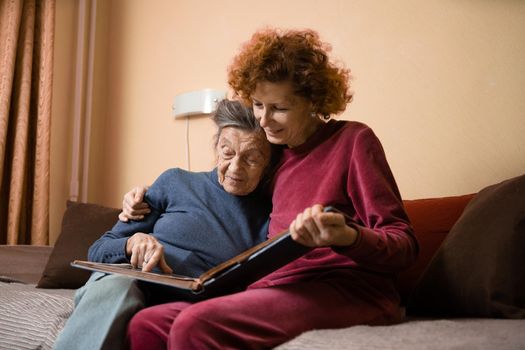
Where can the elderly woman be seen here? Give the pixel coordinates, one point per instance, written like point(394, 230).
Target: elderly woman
point(348, 278)
point(198, 220)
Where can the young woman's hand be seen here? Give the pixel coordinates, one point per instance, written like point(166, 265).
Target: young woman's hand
point(133, 205)
point(146, 252)
point(315, 228)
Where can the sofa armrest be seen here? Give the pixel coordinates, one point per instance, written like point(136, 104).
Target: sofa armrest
point(23, 262)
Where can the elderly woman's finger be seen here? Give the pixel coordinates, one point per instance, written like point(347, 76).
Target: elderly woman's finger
point(164, 265)
point(153, 255)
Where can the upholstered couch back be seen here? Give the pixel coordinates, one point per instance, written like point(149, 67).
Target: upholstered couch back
point(432, 219)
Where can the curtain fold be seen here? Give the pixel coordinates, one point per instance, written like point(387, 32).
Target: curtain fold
point(26, 63)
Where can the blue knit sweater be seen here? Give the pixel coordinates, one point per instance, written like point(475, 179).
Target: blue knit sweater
point(199, 224)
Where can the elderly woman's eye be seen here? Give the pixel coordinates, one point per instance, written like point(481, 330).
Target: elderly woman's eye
point(253, 160)
point(227, 152)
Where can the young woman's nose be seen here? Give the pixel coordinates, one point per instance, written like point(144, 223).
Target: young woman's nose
point(265, 117)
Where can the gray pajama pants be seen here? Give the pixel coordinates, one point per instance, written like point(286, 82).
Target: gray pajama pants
point(103, 308)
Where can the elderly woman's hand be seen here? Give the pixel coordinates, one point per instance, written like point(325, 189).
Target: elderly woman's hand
point(315, 228)
point(146, 252)
point(133, 205)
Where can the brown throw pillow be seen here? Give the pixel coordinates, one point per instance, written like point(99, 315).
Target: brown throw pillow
point(478, 271)
point(82, 224)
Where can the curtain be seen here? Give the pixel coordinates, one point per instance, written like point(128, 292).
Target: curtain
point(26, 62)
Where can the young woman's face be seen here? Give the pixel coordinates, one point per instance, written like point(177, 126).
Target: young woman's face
point(285, 117)
point(242, 157)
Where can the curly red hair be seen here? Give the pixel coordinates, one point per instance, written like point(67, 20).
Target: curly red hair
point(298, 56)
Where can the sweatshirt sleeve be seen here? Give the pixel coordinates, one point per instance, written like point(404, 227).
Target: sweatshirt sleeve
point(111, 247)
point(386, 242)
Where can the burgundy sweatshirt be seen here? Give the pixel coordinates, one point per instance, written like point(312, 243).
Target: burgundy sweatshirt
point(343, 165)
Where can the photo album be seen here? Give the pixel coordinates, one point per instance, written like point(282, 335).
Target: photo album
point(232, 275)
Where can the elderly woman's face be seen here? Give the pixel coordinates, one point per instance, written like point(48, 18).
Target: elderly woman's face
point(242, 159)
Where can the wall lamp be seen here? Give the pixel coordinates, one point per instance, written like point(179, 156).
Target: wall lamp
point(195, 103)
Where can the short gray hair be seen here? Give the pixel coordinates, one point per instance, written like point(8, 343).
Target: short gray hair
point(231, 113)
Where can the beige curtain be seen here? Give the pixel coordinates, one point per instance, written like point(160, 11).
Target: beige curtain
point(26, 62)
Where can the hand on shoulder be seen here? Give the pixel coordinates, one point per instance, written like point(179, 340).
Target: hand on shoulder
point(133, 205)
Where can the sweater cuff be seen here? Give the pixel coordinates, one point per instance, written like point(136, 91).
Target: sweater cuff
point(364, 245)
point(115, 251)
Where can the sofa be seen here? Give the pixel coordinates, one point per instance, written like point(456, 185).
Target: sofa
point(466, 291)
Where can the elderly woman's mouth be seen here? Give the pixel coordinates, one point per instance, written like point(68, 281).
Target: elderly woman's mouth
point(234, 178)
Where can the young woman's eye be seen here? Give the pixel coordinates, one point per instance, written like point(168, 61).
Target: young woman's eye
point(280, 109)
point(257, 104)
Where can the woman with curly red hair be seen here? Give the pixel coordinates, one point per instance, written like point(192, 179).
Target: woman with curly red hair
point(348, 277)
point(295, 56)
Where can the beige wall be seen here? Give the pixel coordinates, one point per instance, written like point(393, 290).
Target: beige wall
point(440, 81)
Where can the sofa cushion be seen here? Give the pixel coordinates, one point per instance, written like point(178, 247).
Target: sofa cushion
point(82, 224)
point(31, 318)
point(478, 271)
point(432, 219)
point(23, 263)
point(467, 334)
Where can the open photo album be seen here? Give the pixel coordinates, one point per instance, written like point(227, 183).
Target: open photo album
point(234, 274)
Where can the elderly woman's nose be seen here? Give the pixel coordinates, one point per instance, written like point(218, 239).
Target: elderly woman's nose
point(235, 163)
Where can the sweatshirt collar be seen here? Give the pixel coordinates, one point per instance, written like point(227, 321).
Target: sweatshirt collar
point(319, 136)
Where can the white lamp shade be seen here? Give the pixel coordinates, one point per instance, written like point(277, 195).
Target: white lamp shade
point(197, 102)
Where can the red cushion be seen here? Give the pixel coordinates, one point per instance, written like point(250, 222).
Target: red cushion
point(432, 219)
